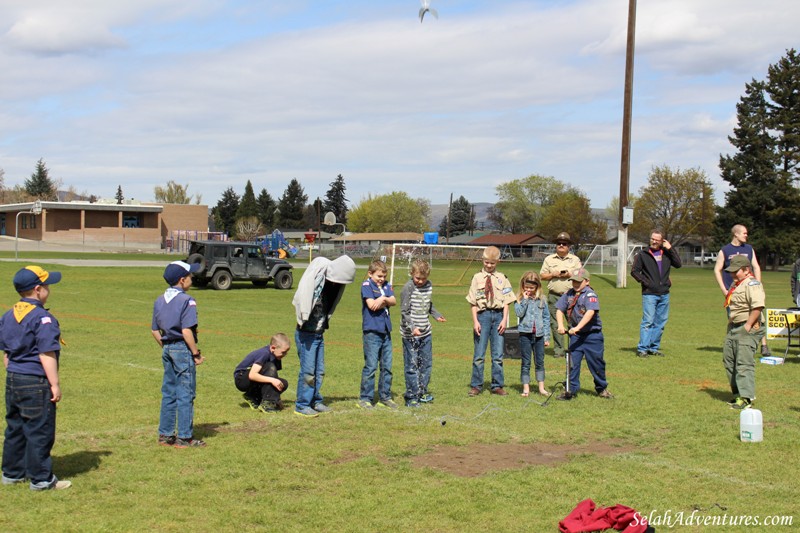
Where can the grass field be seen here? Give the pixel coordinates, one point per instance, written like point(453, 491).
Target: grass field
point(668, 443)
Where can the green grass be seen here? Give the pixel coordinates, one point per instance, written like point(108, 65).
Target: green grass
point(353, 470)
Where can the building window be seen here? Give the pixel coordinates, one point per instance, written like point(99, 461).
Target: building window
point(33, 221)
point(24, 221)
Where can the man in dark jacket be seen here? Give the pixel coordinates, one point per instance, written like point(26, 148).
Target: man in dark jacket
point(651, 269)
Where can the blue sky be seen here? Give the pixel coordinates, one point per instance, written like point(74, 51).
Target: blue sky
point(212, 93)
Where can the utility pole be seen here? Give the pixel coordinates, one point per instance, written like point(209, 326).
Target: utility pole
point(625, 164)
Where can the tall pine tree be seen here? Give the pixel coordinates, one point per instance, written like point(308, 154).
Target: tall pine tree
point(39, 185)
point(763, 171)
point(292, 206)
point(247, 204)
point(266, 209)
point(462, 218)
point(335, 200)
point(225, 211)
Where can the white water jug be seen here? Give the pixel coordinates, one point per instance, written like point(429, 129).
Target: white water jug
point(750, 426)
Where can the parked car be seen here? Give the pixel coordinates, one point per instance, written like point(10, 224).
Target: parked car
point(223, 262)
point(708, 257)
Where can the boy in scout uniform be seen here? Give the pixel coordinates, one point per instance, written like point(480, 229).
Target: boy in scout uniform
point(745, 302)
point(556, 270)
point(489, 295)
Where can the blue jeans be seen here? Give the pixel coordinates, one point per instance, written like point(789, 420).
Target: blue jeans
point(530, 345)
point(177, 391)
point(30, 430)
point(489, 321)
point(655, 311)
point(377, 350)
point(311, 350)
point(418, 362)
point(590, 346)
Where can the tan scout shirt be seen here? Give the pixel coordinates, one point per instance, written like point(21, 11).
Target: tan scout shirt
point(554, 264)
point(503, 292)
point(747, 296)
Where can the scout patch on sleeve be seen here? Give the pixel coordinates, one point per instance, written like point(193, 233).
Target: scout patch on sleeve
point(192, 303)
point(754, 282)
point(46, 320)
point(507, 290)
point(365, 284)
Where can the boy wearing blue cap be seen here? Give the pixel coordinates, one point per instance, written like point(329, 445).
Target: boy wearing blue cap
point(174, 328)
point(31, 341)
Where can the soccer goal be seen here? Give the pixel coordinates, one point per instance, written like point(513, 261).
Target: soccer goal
point(449, 263)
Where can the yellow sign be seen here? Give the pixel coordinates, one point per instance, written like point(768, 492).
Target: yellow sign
point(779, 320)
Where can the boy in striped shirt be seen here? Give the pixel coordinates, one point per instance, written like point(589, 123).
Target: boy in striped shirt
point(415, 328)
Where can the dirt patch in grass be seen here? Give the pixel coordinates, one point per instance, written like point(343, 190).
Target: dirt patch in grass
point(479, 459)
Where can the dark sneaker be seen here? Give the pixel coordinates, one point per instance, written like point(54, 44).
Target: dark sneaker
point(643, 354)
point(657, 353)
point(251, 402)
point(189, 443)
point(500, 391)
point(268, 407)
point(565, 396)
point(306, 412)
point(741, 404)
point(166, 440)
point(427, 398)
point(364, 404)
point(559, 355)
point(732, 401)
point(605, 394)
point(322, 408)
point(412, 403)
point(765, 350)
point(388, 403)
point(474, 391)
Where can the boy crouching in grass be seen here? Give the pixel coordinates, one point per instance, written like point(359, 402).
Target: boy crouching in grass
point(257, 375)
point(415, 308)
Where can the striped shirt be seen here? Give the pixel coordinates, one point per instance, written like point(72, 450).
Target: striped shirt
point(416, 304)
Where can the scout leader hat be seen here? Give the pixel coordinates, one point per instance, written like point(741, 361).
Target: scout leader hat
point(737, 262)
point(563, 237)
point(177, 270)
point(31, 276)
point(579, 275)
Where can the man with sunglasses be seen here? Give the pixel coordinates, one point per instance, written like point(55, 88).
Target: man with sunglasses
point(556, 270)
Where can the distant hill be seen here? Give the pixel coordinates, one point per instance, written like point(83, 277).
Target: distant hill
point(439, 211)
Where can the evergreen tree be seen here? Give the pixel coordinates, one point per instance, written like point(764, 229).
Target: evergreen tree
point(292, 206)
point(313, 215)
point(247, 205)
point(39, 185)
point(336, 201)
point(225, 211)
point(120, 197)
point(265, 209)
point(462, 218)
point(763, 171)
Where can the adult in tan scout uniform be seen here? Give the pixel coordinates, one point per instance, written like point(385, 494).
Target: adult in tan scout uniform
point(556, 270)
point(745, 301)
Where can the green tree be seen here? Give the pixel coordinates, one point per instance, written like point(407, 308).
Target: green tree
point(174, 193)
point(119, 196)
point(678, 202)
point(225, 211)
point(572, 212)
point(313, 215)
point(762, 173)
point(335, 200)
point(462, 218)
point(265, 209)
point(522, 202)
point(39, 185)
point(392, 212)
point(292, 206)
point(247, 204)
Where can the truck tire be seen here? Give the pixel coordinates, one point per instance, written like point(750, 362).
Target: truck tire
point(222, 280)
point(197, 258)
point(284, 280)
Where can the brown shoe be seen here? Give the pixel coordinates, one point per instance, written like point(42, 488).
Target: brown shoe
point(605, 394)
point(500, 391)
point(474, 391)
